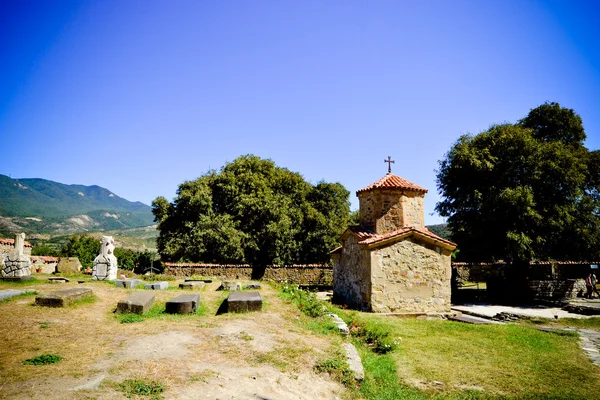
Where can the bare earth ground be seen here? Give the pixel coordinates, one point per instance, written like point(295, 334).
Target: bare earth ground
point(243, 356)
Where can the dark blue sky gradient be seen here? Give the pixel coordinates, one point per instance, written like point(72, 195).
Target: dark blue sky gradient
point(138, 96)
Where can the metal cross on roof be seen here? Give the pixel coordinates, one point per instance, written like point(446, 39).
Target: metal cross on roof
point(390, 162)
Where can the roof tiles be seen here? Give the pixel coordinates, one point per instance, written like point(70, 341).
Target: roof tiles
point(390, 181)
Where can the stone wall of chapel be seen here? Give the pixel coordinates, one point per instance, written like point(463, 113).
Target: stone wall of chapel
point(410, 276)
point(384, 211)
point(352, 276)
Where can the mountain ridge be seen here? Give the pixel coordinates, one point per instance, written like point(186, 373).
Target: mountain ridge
point(40, 205)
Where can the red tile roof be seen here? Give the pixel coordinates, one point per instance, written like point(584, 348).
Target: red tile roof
point(391, 181)
point(367, 237)
point(11, 242)
point(45, 259)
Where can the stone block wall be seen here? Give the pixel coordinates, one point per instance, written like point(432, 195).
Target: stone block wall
point(390, 210)
point(310, 274)
point(410, 277)
point(352, 276)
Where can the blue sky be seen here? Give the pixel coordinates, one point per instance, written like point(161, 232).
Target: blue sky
point(139, 96)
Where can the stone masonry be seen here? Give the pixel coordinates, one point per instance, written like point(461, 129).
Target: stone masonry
point(391, 263)
point(17, 264)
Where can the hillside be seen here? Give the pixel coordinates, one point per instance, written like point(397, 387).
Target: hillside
point(39, 206)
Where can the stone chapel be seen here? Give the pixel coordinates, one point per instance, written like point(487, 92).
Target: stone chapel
point(391, 263)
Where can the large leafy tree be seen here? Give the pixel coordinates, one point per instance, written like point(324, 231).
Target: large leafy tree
point(523, 191)
point(251, 211)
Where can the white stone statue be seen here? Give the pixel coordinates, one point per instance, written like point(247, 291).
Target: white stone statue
point(105, 265)
point(17, 264)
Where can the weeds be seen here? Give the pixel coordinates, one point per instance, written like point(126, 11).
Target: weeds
point(141, 388)
point(44, 359)
point(337, 367)
point(305, 301)
point(374, 335)
point(158, 278)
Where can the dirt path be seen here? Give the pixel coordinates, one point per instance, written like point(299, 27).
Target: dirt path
point(245, 356)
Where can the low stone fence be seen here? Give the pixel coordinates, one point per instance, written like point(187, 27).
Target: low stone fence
point(8, 245)
point(307, 274)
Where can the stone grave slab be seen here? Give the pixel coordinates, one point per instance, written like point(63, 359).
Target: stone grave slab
point(8, 293)
point(128, 283)
point(157, 285)
point(137, 303)
point(192, 285)
point(15, 278)
point(230, 285)
point(253, 286)
point(63, 298)
point(239, 302)
point(183, 304)
point(57, 279)
point(199, 280)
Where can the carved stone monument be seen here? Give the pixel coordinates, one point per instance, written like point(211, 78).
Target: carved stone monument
point(105, 265)
point(17, 264)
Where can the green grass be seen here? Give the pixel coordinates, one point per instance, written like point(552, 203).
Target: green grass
point(44, 359)
point(11, 284)
point(141, 387)
point(86, 300)
point(439, 359)
point(157, 311)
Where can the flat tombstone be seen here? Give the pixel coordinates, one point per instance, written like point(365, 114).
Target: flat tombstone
point(8, 293)
point(239, 302)
point(183, 304)
point(230, 285)
point(62, 298)
point(157, 285)
point(58, 279)
point(192, 285)
point(253, 286)
point(127, 283)
point(199, 280)
point(137, 303)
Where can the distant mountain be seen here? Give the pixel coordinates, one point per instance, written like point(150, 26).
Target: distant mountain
point(39, 205)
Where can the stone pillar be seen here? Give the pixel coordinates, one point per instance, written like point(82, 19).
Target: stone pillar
point(16, 263)
point(105, 265)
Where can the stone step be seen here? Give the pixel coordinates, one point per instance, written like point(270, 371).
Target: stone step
point(128, 283)
point(137, 303)
point(239, 302)
point(63, 298)
point(157, 285)
point(183, 304)
point(192, 285)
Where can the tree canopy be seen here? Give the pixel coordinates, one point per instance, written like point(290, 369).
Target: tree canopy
point(251, 211)
point(524, 191)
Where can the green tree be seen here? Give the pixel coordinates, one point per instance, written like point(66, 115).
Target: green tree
point(524, 191)
point(84, 247)
point(251, 211)
point(126, 258)
point(45, 250)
